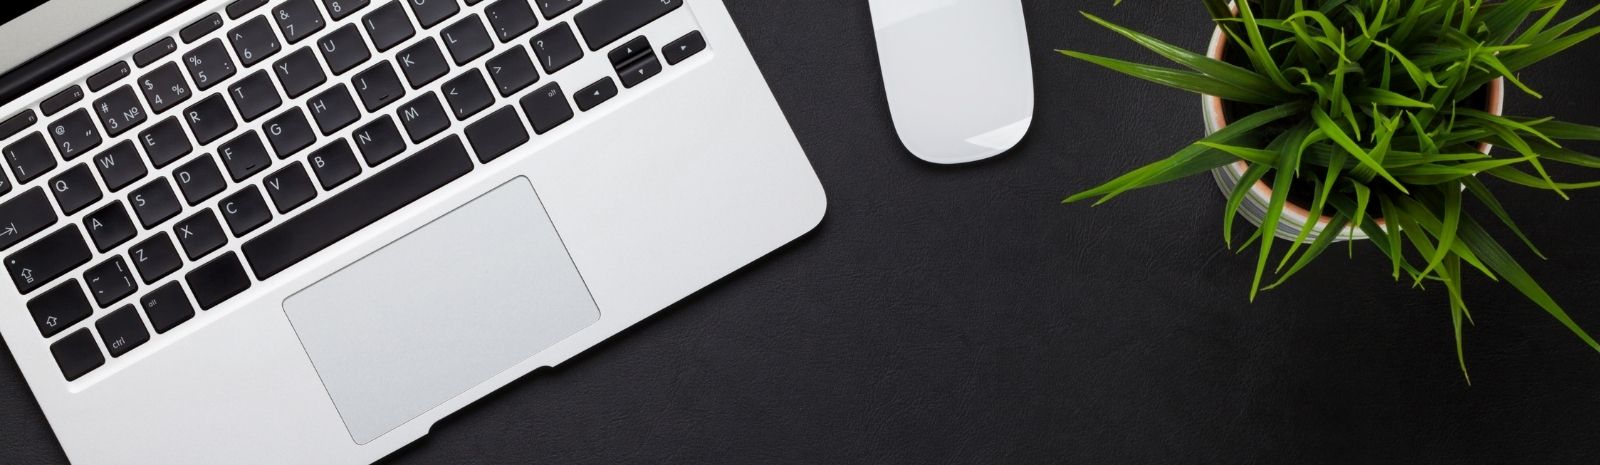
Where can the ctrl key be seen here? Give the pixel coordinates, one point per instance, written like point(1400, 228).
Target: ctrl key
point(77, 354)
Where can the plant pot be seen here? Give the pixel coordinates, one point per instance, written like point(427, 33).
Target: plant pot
point(1294, 216)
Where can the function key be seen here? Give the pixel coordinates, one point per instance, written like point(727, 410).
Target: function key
point(388, 26)
point(120, 165)
point(75, 189)
point(109, 76)
point(344, 49)
point(48, 258)
point(155, 52)
point(200, 28)
point(167, 307)
point(510, 18)
point(24, 216)
point(164, 87)
point(77, 354)
point(209, 64)
point(298, 19)
point(110, 281)
point(17, 123)
point(554, 8)
point(122, 331)
point(30, 158)
point(60, 308)
point(240, 7)
point(683, 48)
point(120, 111)
point(557, 48)
point(60, 101)
point(432, 12)
point(595, 94)
point(254, 41)
point(341, 8)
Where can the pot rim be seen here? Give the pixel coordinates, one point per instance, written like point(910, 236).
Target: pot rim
point(1216, 118)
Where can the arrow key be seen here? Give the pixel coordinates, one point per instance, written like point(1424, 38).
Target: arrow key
point(683, 48)
point(60, 308)
point(596, 94)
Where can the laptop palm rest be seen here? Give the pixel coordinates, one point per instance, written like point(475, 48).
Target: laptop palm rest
point(441, 310)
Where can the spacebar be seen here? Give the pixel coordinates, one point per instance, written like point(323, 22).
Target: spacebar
point(361, 205)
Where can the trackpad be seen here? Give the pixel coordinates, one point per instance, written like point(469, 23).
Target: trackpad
point(441, 310)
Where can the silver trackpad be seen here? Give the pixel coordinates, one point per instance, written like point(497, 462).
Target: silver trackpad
point(441, 310)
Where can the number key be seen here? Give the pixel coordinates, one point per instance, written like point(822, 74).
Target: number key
point(120, 111)
point(254, 41)
point(298, 19)
point(341, 8)
point(164, 87)
point(209, 64)
point(75, 134)
point(30, 158)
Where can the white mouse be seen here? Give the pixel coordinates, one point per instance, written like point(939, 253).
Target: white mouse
point(957, 74)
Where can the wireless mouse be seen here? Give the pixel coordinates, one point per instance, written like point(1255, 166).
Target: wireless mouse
point(957, 75)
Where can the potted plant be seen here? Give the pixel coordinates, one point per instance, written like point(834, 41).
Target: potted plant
point(1370, 120)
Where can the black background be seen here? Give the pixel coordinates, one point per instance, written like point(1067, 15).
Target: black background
point(962, 315)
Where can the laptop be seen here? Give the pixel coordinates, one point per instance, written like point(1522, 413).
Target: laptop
point(303, 231)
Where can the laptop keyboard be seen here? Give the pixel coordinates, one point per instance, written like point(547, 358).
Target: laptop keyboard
point(262, 134)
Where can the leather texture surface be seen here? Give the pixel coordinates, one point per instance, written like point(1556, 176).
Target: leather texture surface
point(962, 315)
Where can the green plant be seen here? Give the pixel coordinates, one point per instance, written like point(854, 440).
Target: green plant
point(1363, 107)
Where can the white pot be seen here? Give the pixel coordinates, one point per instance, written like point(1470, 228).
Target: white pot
point(1294, 217)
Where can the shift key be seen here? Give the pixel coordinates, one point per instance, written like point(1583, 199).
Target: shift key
point(49, 258)
point(24, 216)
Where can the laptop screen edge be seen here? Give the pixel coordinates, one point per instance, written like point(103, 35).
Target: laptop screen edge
point(52, 24)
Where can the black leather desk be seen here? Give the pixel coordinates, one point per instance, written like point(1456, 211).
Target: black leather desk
point(961, 315)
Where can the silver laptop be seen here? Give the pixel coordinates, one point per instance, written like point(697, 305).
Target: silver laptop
point(303, 231)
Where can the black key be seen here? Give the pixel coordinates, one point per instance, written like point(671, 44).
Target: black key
point(164, 87)
point(388, 26)
point(16, 123)
point(122, 331)
point(609, 20)
point(240, 7)
point(120, 111)
point(75, 189)
point(683, 48)
point(200, 234)
point(216, 282)
point(75, 134)
point(5, 185)
point(423, 117)
point(155, 52)
point(334, 164)
point(77, 354)
point(244, 211)
point(467, 39)
point(167, 307)
point(30, 158)
point(120, 165)
point(468, 94)
point(61, 100)
point(299, 72)
point(298, 19)
point(110, 281)
point(200, 28)
point(557, 48)
point(199, 180)
point(254, 95)
point(341, 8)
point(60, 308)
point(547, 108)
point(25, 215)
point(289, 133)
point(109, 226)
point(154, 203)
point(512, 71)
point(210, 119)
point(637, 70)
point(108, 76)
point(362, 204)
point(333, 109)
point(244, 156)
point(290, 188)
point(497, 134)
point(431, 12)
point(379, 141)
point(155, 258)
point(344, 49)
point(165, 142)
point(47, 259)
point(422, 63)
point(254, 41)
point(378, 86)
point(595, 94)
point(209, 64)
point(510, 18)
point(553, 8)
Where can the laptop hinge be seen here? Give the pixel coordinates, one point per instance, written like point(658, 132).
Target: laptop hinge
point(87, 45)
